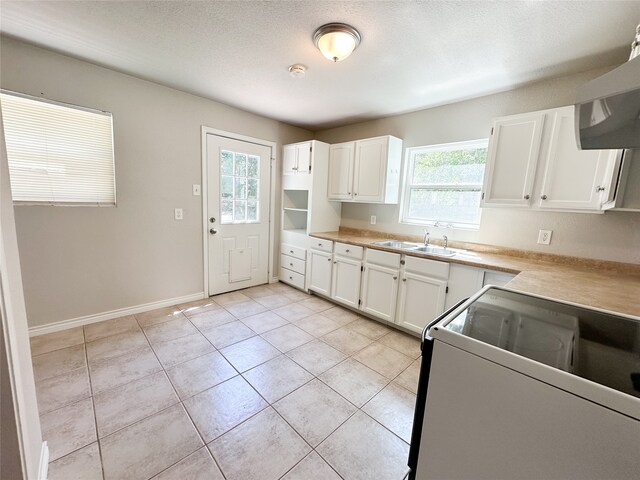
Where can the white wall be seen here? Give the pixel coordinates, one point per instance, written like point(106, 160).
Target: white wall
point(79, 261)
point(612, 236)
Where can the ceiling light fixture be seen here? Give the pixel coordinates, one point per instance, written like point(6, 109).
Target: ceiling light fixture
point(336, 41)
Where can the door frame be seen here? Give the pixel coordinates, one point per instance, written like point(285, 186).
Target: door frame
point(205, 194)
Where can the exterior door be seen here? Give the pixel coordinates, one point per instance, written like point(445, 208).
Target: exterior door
point(238, 213)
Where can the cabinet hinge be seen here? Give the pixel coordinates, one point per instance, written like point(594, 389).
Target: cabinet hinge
point(310, 149)
point(362, 268)
point(309, 168)
point(491, 130)
point(446, 290)
point(482, 195)
point(359, 302)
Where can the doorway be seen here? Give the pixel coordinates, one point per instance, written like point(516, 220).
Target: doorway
point(237, 207)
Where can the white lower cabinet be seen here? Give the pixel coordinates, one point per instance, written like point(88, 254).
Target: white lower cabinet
point(464, 281)
point(422, 292)
point(380, 284)
point(345, 280)
point(320, 264)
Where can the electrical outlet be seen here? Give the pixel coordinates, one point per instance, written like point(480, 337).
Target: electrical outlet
point(373, 219)
point(178, 214)
point(196, 190)
point(544, 237)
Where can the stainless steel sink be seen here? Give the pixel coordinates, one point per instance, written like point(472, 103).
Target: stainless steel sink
point(400, 245)
point(435, 250)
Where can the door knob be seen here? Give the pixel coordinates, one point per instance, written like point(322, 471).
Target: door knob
point(212, 220)
point(213, 231)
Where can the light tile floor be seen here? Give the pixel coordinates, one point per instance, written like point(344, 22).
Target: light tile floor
point(267, 383)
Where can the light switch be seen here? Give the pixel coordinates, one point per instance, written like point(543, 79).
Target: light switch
point(178, 214)
point(196, 190)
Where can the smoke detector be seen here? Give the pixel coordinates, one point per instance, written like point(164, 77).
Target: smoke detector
point(297, 70)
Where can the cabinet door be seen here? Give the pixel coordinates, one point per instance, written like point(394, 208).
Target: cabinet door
point(514, 148)
point(289, 160)
point(341, 171)
point(573, 179)
point(303, 156)
point(319, 271)
point(421, 300)
point(463, 282)
point(345, 281)
point(380, 291)
point(370, 169)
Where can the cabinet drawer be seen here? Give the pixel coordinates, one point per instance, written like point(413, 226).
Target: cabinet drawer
point(423, 266)
point(292, 278)
point(351, 251)
point(385, 259)
point(320, 244)
point(293, 251)
point(292, 263)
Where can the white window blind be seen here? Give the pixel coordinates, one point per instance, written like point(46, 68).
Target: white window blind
point(57, 153)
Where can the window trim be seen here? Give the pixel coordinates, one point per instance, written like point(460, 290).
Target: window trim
point(51, 203)
point(407, 186)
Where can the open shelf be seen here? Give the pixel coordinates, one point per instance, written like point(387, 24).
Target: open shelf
point(296, 209)
point(295, 199)
point(294, 219)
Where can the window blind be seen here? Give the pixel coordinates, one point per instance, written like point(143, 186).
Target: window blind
point(57, 153)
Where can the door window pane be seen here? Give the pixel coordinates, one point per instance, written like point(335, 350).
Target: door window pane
point(240, 211)
point(253, 166)
point(252, 188)
point(241, 164)
point(226, 162)
point(239, 181)
point(252, 211)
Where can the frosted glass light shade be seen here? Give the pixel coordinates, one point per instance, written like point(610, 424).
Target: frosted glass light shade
point(336, 41)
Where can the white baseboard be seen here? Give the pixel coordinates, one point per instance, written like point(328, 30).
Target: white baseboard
point(43, 468)
point(120, 312)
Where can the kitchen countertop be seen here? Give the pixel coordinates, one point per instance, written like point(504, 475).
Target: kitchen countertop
point(601, 284)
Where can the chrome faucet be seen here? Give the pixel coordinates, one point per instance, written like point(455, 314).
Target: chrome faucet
point(446, 241)
point(426, 238)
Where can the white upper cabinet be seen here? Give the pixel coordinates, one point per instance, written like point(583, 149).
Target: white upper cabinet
point(574, 179)
point(341, 164)
point(514, 149)
point(534, 161)
point(365, 171)
point(296, 159)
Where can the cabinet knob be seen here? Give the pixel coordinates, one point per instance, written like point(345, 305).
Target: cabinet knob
point(348, 193)
point(291, 251)
point(395, 278)
point(404, 279)
point(355, 194)
point(543, 197)
point(328, 259)
point(527, 196)
point(291, 264)
point(335, 263)
point(319, 244)
point(600, 189)
point(347, 250)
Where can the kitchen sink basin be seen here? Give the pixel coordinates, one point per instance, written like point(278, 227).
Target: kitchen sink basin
point(400, 245)
point(435, 250)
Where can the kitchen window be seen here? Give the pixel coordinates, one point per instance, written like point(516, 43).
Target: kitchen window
point(443, 184)
point(58, 154)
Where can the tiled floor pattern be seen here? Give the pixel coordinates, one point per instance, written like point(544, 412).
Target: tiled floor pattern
point(266, 383)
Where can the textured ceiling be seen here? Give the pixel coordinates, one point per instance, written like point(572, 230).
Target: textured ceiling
point(413, 54)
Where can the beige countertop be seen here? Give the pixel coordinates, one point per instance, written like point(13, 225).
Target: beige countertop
point(596, 283)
